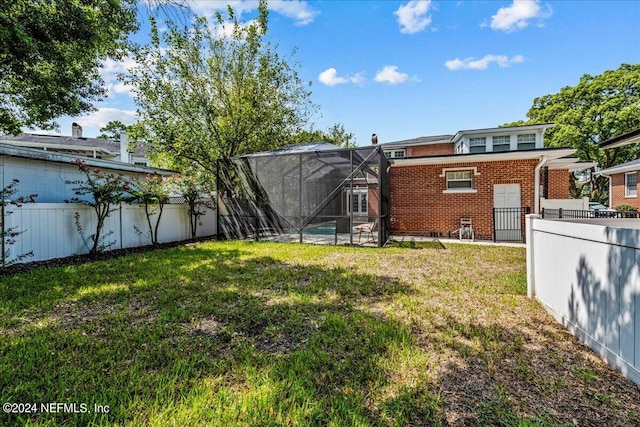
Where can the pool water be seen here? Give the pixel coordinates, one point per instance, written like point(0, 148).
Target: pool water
point(329, 229)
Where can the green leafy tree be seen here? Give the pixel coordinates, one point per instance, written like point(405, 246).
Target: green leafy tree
point(153, 193)
point(50, 53)
point(203, 96)
point(336, 135)
point(596, 109)
point(112, 130)
point(104, 191)
point(190, 187)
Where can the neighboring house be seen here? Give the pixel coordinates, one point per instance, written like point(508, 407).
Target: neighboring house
point(76, 144)
point(436, 181)
point(45, 172)
point(623, 178)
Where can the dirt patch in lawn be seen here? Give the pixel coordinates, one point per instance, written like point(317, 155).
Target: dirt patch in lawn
point(500, 358)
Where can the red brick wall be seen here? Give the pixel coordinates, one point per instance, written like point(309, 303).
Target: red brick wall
point(617, 192)
point(418, 206)
point(429, 150)
point(372, 200)
point(558, 184)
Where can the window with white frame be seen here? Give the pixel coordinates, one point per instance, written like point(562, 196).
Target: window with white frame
point(460, 180)
point(395, 154)
point(502, 143)
point(631, 184)
point(477, 145)
point(527, 141)
point(358, 201)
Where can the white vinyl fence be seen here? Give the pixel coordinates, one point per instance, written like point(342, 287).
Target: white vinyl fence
point(50, 229)
point(587, 275)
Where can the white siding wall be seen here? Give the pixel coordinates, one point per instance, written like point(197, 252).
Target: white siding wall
point(463, 144)
point(50, 230)
point(46, 179)
point(587, 275)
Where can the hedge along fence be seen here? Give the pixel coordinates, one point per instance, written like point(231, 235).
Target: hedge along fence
point(50, 228)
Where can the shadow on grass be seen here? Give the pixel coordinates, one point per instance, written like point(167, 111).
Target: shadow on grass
point(234, 334)
point(506, 376)
point(196, 336)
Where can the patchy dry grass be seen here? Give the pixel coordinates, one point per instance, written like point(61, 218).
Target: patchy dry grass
point(238, 333)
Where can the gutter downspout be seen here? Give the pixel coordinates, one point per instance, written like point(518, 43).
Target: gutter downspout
point(536, 185)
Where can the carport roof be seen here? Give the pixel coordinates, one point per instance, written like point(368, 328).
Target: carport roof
point(632, 137)
point(631, 166)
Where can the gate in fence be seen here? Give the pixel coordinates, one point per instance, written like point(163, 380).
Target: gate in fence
point(508, 224)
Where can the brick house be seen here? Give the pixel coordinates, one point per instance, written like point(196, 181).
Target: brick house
point(436, 181)
point(623, 178)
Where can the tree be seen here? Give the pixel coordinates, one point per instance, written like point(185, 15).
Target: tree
point(104, 191)
point(112, 130)
point(153, 193)
point(194, 195)
point(596, 109)
point(50, 53)
point(203, 96)
point(336, 135)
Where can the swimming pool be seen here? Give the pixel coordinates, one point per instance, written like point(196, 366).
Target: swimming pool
point(325, 229)
point(317, 229)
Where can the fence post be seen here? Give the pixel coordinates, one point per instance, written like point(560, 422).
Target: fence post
point(530, 255)
point(559, 213)
point(2, 228)
point(494, 224)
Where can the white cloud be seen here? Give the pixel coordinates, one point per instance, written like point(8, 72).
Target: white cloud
point(390, 74)
point(298, 10)
point(413, 17)
point(102, 116)
point(330, 77)
point(110, 71)
point(517, 15)
point(357, 78)
point(503, 61)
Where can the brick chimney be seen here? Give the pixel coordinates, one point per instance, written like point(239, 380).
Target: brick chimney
point(76, 130)
point(374, 139)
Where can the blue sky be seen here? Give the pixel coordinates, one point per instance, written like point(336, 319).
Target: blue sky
point(404, 69)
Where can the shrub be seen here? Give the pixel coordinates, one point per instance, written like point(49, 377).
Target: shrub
point(104, 191)
point(626, 208)
point(8, 235)
point(153, 193)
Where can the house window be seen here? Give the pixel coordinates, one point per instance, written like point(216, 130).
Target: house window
point(460, 180)
point(501, 143)
point(631, 184)
point(477, 145)
point(395, 154)
point(527, 141)
point(358, 201)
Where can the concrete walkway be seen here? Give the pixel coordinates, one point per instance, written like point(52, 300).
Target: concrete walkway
point(343, 239)
point(406, 239)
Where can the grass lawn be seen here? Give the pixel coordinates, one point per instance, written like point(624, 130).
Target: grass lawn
point(242, 333)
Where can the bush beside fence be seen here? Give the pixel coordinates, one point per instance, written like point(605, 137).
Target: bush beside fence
point(50, 228)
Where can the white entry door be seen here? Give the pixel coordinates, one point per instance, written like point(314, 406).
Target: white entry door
point(506, 218)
